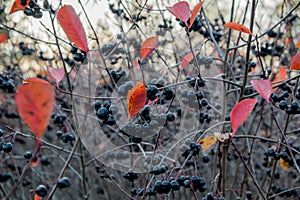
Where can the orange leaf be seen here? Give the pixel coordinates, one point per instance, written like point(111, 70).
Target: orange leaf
point(187, 59)
point(17, 6)
point(57, 73)
point(295, 62)
point(238, 27)
point(263, 87)
point(280, 76)
point(35, 101)
point(240, 113)
point(148, 46)
point(37, 197)
point(207, 143)
point(72, 26)
point(181, 10)
point(284, 165)
point(35, 163)
point(298, 45)
point(195, 12)
point(4, 36)
point(136, 99)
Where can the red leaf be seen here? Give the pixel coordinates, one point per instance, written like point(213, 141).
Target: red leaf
point(35, 101)
point(136, 99)
point(238, 27)
point(280, 76)
point(295, 62)
point(17, 6)
point(72, 26)
point(263, 87)
point(148, 46)
point(57, 73)
point(195, 13)
point(37, 197)
point(181, 10)
point(240, 113)
point(4, 36)
point(187, 59)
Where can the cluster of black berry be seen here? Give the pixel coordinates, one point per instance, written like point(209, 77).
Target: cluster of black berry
point(7, 84)
point(210, 196)
point(26, 51)
point(5, 177)
point(33, 9)
point(120, 13)
point(42, 190)
point(190, 149)
point(130, 176)
point(66, 137)
point(285, 155)
point(118, 76)
point(195, 81)
point(282, 98)
point(106, 112)
point(289, 193)
point(198, 26)
point(78, 55)
point(154, 91)
point(268, 49)
point(59, 119)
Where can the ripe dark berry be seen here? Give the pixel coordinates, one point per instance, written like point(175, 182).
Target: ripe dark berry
point(41, 190)
point(1, 132)
point(135, 139)
point(102, 113)
point(28, 11)
point(175, 185)
point(166, 186)
point(204, 102)
point(249, 195)
point(28, 154)
point(79, 56)
point(283, 105)
point(74, 50)
point(5, 177)
point(37, 14)
point(271, 152)
point(294, 105)
point(170, 117)
point(187, 183)
point(110, 120)
point(97, 105)
point(7, 147)
point(277, 156)
point(206, 159)
point(64, 182)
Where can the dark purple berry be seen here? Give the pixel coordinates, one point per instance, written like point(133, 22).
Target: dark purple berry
point(41, 190)
point(63, 182)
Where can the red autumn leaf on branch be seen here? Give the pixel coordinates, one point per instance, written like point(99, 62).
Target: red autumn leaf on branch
point(195, 13)
point(57, 73)
point(295, 62)
point(17, 6)
point(238, 27)
point(280, 76)
point(136, 99)
point(263, 87)
point(187, 59)
point(240, 113)
point(4, 37)
point(180, 10)
point(148, 46)
point(72, 26)
point(35, 101)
